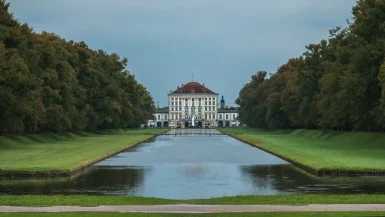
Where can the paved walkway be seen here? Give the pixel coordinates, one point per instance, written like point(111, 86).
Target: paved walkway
point(199, 208)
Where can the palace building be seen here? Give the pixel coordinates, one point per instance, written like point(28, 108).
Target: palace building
point(194, 105)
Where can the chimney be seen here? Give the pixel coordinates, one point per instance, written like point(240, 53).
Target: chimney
point(203, 84)
point(177, 87)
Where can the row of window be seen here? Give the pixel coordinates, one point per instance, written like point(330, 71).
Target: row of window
point(165, 117)
point(186, 108)
point(207, 116)
point(180, 103)
point(227, 116)
point(193, 99)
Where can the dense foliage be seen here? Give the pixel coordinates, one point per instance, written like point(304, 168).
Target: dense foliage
point(337, 84)
point(48, 84)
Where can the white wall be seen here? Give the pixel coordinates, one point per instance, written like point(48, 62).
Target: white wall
point(177, 103)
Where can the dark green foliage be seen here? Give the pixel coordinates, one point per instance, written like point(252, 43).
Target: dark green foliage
point(337, 84)
point(49, 84)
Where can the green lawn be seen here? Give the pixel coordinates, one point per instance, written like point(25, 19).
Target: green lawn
point(50, 153)
point(277, 214)
point(320, 151)
point(88, 200)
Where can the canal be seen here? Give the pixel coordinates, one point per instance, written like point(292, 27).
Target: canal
point(187, 166)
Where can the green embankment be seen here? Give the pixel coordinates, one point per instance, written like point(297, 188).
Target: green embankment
point(51, 154)
point(271, 214)
point(88, 200)
point(320, 151)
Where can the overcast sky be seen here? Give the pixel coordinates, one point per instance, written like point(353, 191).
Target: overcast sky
point(222, 42)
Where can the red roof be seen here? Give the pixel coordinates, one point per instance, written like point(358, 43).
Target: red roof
point(193, 87)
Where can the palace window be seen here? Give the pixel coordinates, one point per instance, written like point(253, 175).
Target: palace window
point(200, 99)
point(180, 103)
point(209, 108)
point(180, 108)
point(186, 108)
point(193, 99)
point(200, 109)
point(209, 103)
point(186, 117)
point(172, 98)
point(158, 117)
point(213, 108)
point(206, 108)
point(234, 116)
point(165, 117)
point(199, 117)
point(193, 109)
point(172, 103)
point(186, 99)
point(220, 116)
point(209, 116)
point(172, 108)
point(227, 116)
point(205, 116)
point(213, 116)
point(172, 117)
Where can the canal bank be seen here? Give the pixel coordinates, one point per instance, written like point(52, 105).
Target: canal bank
point(192, 166)
point(92, 200)
point(320, 152)
point(52, 155)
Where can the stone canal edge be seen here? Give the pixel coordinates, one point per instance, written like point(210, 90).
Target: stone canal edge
point(185, 208)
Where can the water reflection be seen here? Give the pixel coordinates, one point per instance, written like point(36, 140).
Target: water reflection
point(193, 167)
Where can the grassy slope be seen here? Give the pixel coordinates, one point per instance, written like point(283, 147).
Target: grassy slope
point(288, 214)
point(87, 200)
point(322, 151)
point(50, 152)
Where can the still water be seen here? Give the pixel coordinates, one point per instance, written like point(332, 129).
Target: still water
point(193, 166)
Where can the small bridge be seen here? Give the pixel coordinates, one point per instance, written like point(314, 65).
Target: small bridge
point(191, 132)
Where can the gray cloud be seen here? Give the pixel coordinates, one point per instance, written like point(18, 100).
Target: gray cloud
point(222, 42)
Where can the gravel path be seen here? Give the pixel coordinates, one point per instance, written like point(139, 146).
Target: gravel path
point(199, 208)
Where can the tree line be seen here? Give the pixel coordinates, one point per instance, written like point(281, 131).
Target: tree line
point(48, 84)
point(337, 84)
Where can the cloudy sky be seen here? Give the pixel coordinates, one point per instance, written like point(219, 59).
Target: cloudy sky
point(221, 42)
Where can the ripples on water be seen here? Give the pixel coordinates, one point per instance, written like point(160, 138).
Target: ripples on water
point(185, 167)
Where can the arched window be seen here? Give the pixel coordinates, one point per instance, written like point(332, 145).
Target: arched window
point(192, 109)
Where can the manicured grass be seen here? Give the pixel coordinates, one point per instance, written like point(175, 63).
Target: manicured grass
point(270, 214)
point(85, 200)
point(51, 153)
point(320, 151)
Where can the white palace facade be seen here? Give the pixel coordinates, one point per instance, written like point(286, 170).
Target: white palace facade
point(194, 105)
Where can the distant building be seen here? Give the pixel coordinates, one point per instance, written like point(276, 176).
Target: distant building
point(161, 118)
point(222, 103)
point(194, 105)
point(228, 118)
